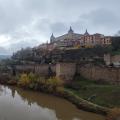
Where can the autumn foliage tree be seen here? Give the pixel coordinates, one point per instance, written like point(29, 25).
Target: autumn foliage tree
point(36, 82)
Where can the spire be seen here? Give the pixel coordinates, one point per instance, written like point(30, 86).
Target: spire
point(52, 38)
point(52, 35)
point(86, 32)
point(70, 30)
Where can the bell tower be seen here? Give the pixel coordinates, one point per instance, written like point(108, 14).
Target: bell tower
point(86, 32)
point(70, 30)
point(52, 38)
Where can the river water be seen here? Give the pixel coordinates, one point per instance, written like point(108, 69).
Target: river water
point(18, 104)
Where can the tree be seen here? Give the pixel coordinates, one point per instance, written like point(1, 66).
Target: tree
point(116, 43)
point(24, 81)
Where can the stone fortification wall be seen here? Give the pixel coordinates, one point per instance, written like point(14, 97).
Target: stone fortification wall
point(38, 69)
point(66, 71)
point(98, 73)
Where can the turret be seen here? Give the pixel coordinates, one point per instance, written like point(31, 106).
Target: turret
point(70, 30)
point(52, 38)
point(86, 32)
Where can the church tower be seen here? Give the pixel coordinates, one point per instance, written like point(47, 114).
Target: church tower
point(52, 38)
point(86, 32)
point(70, 30)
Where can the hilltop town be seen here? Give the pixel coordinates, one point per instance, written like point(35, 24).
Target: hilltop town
point(69, 65)
point(72, 40)
point(59, 60)
point(73, 47)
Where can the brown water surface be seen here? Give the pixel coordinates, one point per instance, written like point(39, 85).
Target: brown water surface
point(18, 104)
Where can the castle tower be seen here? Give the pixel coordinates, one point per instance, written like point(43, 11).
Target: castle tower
point(52, 38)
point(86, 32)
point(70, 30)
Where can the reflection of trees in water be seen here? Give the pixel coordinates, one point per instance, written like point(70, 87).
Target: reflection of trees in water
point(1, 90)
point(41, 100)
point(29, 96)
point(13, 92)
point(25, 95)
point(59, 106)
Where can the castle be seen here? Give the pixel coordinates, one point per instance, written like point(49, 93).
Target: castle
point(75, 40)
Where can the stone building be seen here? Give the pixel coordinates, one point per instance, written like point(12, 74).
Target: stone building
point(75, 40)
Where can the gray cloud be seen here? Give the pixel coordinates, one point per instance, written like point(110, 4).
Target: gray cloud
point(28, 20)
point(99, 20)
point(58, 28)
point(102, 17)
point(22, 44)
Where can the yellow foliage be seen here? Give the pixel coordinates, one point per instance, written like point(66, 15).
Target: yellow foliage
point(24, 80)
point(32, 77)
point(33, 81)
point(54, 81)
point(77, 46)
point(60, 89)
point(54, 84)
point(88, 46)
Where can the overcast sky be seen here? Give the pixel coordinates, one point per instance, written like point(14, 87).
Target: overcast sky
point(26, 23)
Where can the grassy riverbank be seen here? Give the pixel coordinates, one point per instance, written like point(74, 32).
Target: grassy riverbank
point(99, 93)
point(85, 94)
point(54, 86)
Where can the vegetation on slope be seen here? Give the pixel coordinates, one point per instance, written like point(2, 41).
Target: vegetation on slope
point(97, 92)
point(36, 82)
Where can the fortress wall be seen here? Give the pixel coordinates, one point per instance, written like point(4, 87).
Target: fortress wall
point(66, 71)
point(111, 75)
point(38, 69)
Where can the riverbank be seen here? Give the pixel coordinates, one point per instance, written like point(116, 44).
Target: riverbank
point(83, 104)
point(20, 104)
point(55, 87)
point(76, 100)
point(99, 92)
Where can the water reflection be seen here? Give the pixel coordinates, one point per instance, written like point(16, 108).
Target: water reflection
point(18, 104)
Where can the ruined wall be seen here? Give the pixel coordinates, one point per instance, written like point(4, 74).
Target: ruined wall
point(43, 69)
point(66, 71)
point(109, 59)
point(116, 60)
point(111, 75)
point(38, 69)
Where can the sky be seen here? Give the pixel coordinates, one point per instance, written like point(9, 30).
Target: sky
point(28, 23)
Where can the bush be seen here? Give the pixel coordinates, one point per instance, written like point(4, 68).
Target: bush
point(60, 90)
point(36, 82)
point(24, 80)
point(54, 83)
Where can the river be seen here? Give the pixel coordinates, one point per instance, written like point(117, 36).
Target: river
point(19, 104)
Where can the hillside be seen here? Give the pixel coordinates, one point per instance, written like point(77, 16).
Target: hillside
point(4, 56)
